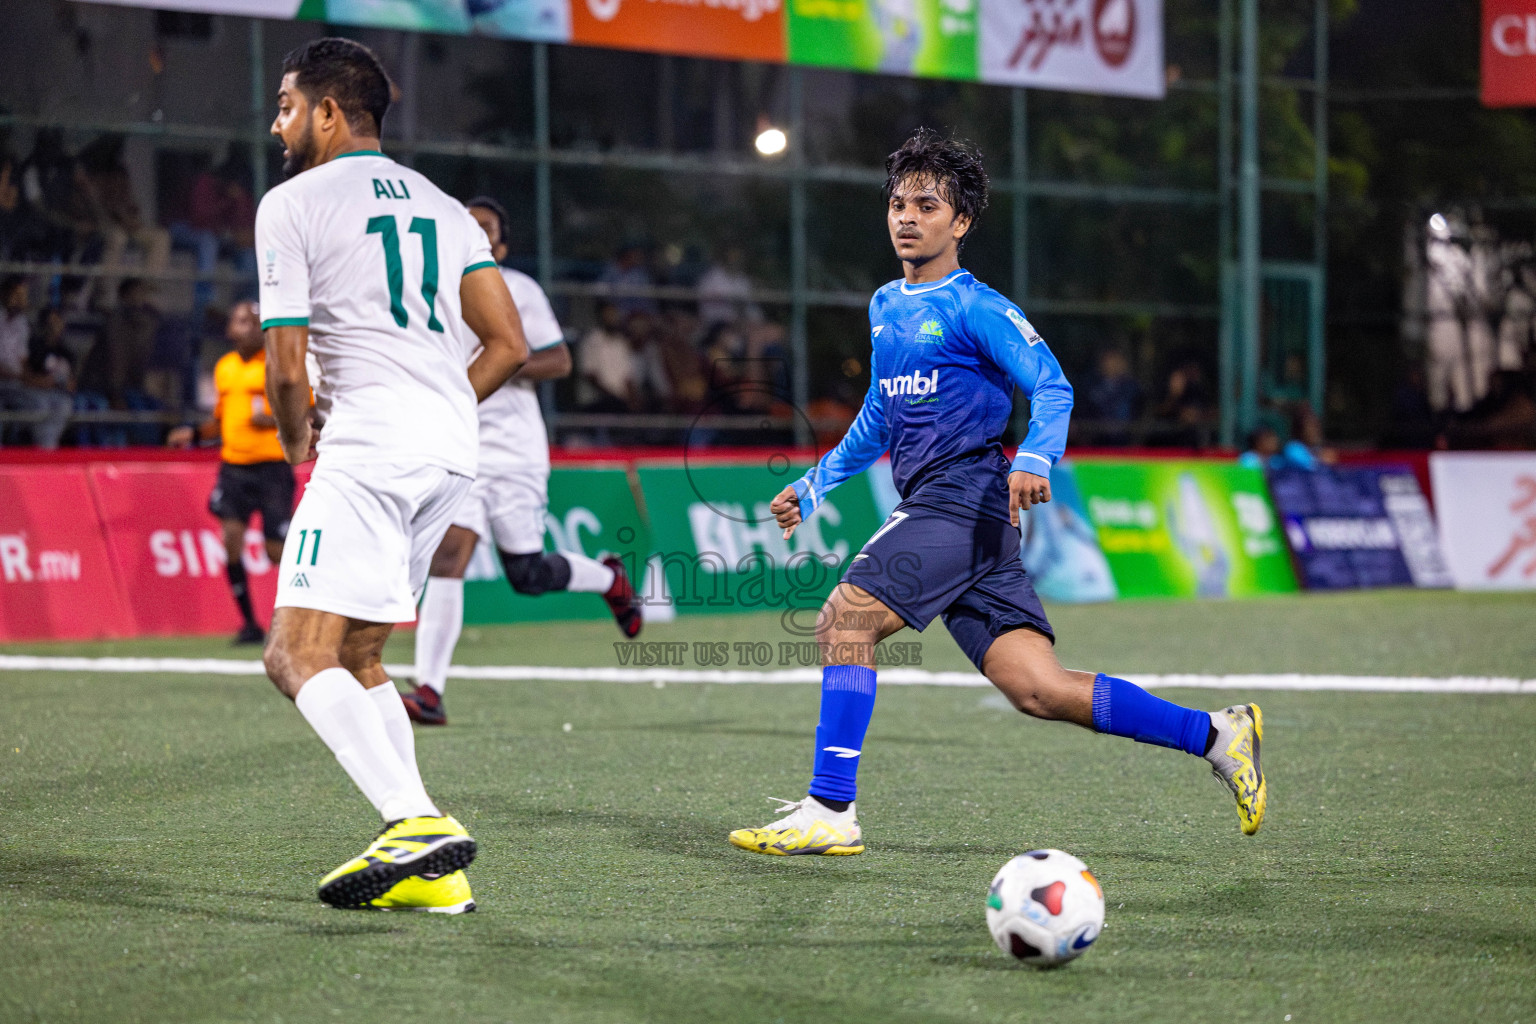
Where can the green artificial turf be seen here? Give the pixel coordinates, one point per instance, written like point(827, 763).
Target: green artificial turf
point(160, 839)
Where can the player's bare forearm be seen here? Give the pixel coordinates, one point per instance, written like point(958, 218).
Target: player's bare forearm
point(491, 314)
point(553, 363)
point(288, 390)
point(1026, 490)
point(786, 509)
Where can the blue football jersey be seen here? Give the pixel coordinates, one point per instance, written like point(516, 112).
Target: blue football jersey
point(944, 361)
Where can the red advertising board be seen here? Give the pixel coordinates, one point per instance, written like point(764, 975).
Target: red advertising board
point(730, 29)
point(56, 578)
point(169, 551)
point(1509, 53)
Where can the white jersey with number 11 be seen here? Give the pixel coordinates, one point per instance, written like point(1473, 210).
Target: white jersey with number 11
point(369, 254)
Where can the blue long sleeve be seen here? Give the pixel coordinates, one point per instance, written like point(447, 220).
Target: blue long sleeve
point(867, 439)
point(1013, 344)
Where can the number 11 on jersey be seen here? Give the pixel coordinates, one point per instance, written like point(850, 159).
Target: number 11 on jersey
point(385, 227)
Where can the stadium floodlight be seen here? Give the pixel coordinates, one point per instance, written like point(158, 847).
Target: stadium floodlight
point(772, 141)
point(1439, 227)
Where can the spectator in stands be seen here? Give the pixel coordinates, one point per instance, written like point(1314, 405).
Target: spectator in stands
point(1188, 402)
point(1113, 396)
point(17, 229)
point(112, 376)
point(106, 199)
point(22, 390)
point(681, 361)
point(220, 222)
point(628, 270)
point(51, 355)
point(1266, 451)
point(725, 292)
point(608, 378)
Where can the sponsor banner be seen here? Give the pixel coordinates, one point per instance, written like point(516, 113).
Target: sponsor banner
point(1061, 548)
point(1509, 53)
point(279, 9)
point(1359, 527)
point(545, 20)
point(730, 29)
point(932, 38)
point(722, 551)
point(1486, 506)
point(56, 577)
point(1185, 528)
point(1095, 46)
point(591, 512)
point(169, 549)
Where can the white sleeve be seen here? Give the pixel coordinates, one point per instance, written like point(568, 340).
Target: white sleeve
point(540, 326)
point(478, 254)
point(284, 262)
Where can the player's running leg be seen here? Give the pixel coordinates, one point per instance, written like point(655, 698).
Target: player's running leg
point(1022, 664)
point(304, 659)
point(539, 572)
point(439, 622)
point(826, 822)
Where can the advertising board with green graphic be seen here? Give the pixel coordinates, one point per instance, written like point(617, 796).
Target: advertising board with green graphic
point(1186, 528)
point(934, 38)
point(591, 511)
point(723, 551)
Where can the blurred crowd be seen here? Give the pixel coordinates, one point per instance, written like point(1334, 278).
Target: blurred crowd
point(111, 339)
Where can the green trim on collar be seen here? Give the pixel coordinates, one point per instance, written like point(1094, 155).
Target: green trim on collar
point(359, 152)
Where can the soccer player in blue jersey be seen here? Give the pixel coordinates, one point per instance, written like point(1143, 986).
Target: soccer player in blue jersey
point(947, 353)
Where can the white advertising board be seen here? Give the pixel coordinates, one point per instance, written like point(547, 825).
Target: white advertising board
point(1486, 506)
point(1097, 46)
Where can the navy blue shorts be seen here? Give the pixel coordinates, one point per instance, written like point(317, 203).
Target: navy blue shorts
point(947, 551)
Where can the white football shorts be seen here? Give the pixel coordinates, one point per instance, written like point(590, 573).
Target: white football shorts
point(363, 537)
point(507, 507)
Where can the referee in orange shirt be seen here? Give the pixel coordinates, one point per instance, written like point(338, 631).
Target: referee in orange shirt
point(253, 476)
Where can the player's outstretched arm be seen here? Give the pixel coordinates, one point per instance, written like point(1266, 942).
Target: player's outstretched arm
point(868, 438)
point(288, 390)
point(491, 314)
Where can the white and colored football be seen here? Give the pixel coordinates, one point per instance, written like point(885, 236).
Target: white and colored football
point(1045, 908)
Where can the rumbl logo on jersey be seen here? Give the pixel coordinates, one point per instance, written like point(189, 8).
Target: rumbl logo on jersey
point(913, 383)
point(1025, 327)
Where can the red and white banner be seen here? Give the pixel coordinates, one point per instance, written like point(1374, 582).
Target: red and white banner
point(1509, 53)
point(56, 578)
point(1486, 505)
point(1096, 46)
point(169, 549)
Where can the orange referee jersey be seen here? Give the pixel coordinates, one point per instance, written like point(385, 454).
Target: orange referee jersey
point(242, 388)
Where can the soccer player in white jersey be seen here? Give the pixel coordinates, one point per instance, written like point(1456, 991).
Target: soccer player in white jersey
point(507, 501)
point(385, 285)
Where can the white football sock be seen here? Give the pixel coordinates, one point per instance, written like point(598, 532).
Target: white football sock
point(438, 625)
point(348, 720)
point(397, 725)
point(588, 575)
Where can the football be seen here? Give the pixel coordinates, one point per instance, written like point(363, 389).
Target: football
point(1045, 908)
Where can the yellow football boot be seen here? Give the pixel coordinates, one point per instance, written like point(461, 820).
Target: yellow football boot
point(1234, 760)
point(445, 894)
point(408, 847)
point(811, 827)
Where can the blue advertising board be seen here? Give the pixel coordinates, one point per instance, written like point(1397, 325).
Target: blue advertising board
point(1358, 526)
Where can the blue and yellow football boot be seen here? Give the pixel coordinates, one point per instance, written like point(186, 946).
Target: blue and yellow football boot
point(408, 847)
point(1234, 760)
point(811, 827)
point(446, 894)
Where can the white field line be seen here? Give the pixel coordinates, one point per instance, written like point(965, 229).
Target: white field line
point(889, 677)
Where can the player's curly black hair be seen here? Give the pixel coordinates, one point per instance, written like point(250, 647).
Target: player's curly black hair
point(349, 73)
point(952, 165)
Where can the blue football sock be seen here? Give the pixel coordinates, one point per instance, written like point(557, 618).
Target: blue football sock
point(847, 702)
point(1122, 708)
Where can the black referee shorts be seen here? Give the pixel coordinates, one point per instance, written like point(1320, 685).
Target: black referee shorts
point(265, 487)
